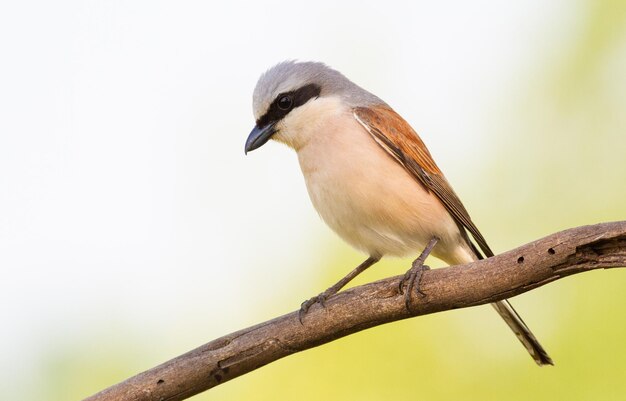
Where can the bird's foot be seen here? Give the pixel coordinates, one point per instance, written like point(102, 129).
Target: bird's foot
point(318, 299)
point(412, 279)
point(321, 298)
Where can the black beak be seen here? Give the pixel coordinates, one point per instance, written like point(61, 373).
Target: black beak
point(259, 136)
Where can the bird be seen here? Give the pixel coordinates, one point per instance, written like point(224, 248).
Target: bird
point(370, 177)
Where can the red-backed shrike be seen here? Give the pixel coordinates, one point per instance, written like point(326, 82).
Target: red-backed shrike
point(370, 176)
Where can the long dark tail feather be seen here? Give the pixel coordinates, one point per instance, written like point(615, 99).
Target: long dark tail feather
point(523, 333)
point(513, 319)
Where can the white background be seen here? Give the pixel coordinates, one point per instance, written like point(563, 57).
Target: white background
point(127, 205)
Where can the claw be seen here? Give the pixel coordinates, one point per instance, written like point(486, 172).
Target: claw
point(401, 285)
point(321, 298)
point(304, 308)
point(413, 280)
point(409, 278)
point(413, 276)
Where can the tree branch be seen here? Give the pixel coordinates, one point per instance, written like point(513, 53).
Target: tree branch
point(530, 266)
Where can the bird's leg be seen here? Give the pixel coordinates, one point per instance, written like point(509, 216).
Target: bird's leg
point(321, 298)
point(413, 276)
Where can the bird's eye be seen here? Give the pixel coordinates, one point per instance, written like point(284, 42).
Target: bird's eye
point(285, 102)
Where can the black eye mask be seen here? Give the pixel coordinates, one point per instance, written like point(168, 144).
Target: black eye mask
point(285, 102)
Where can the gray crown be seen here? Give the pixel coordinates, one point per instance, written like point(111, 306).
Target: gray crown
point(291, 75)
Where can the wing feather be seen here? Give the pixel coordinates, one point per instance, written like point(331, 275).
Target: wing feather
point(397, 137)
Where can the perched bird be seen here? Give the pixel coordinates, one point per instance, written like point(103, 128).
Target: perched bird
point(370, 176)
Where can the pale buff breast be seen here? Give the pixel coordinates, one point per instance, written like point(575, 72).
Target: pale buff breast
point(363, 194)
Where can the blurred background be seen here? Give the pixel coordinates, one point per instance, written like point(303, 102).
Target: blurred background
point(133, 228)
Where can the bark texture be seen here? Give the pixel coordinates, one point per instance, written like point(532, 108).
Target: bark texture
point(530, 266)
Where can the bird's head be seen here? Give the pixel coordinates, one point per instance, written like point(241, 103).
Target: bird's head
point(292, 94)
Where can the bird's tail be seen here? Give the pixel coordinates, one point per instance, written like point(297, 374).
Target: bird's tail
point(515, 322)
point(522, 332)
